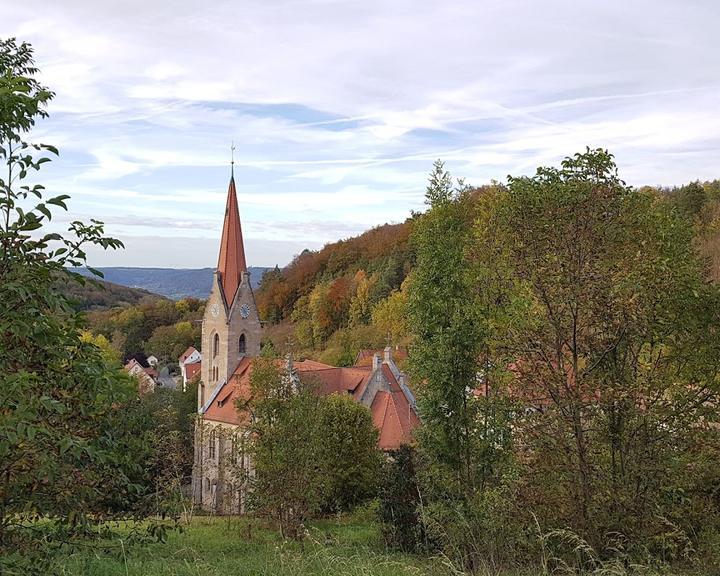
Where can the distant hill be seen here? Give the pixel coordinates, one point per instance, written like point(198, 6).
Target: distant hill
point(92, 297)
point(174, 283)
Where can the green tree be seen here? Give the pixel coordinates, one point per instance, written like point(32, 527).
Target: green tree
point(349, 457)
point(448, 331)
point(310, 452)
point(610, 327)
point(464, 440)
point(66, 453)
point(285, 452)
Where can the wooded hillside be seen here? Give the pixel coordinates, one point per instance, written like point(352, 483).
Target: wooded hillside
point(349, 295)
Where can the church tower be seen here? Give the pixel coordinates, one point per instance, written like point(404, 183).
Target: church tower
point(231, 326)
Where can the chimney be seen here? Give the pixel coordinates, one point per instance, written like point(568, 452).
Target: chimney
point(388, 355)
point(376, 362)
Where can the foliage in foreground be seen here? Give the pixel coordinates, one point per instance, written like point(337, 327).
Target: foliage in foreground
point(343, 546)
point(73, 440)
point(311, 453)
point(577, 387)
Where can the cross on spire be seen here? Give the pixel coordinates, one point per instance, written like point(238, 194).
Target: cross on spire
point(232, 158)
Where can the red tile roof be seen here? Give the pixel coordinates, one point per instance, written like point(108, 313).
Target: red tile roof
point(231, 262)
point(192, 370)
point(223, 407)
point(185, 355)
point(391, 411)
point(394, 417)
point(336, 380)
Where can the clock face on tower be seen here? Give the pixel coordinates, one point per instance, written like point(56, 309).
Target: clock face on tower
point(244, 310)
point(215, 310)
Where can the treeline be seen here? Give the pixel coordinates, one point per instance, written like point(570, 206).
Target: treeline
point(699, 203)
point(99, 295)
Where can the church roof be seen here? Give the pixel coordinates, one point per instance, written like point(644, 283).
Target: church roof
point(391, 410)
point(231, 262)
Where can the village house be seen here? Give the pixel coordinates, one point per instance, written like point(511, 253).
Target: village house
point(146, 377)
point(231, 333)
point(190, 363)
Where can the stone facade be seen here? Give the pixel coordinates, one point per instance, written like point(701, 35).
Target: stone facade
point(229, 333)
point(222, 469)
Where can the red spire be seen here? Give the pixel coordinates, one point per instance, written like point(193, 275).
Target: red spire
point(231, 263)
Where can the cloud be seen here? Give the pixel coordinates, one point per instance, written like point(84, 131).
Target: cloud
point(338, 109)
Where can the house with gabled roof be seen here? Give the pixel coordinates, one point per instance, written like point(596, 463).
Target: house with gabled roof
point(190, 363)
point(146, 376)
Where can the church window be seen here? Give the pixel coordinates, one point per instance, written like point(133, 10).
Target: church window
point(241, 344)
point(233, 449)
point(212, 445)
point(216, 345)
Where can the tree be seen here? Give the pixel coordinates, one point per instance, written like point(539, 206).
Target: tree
point(464, 440)
point(167, 343)
point(390, 316)
point(448, 331)
point(64, 453)
point(309, 452)
point(611, 331)
point(349, 457)
point(285, 451)
point(361, 303)
point(400, 505)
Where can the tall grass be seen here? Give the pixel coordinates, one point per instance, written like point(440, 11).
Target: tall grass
point(222, 547)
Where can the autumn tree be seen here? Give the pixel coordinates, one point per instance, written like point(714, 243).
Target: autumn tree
point(390, 316)
point(613, 340)
point(168, 342)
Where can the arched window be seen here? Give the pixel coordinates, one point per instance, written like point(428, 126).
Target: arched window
point(212, 444)
point(216, 345)
point(241, 344)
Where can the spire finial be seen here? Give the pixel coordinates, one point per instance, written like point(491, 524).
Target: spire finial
point(232, 158)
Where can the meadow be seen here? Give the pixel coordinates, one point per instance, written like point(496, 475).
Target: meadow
point(214, 546)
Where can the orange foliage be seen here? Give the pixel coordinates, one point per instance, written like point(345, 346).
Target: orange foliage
point(340, 261)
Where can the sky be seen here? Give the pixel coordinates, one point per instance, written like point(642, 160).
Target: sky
point(337, 109)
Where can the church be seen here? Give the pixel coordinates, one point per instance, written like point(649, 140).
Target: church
point(231, 338)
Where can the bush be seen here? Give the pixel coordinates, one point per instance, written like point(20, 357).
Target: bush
point(400, 504)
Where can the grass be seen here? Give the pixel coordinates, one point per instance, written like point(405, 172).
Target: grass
point(212, 546)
